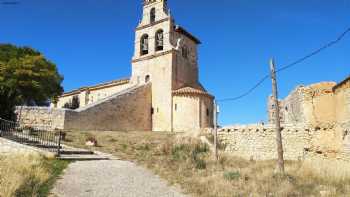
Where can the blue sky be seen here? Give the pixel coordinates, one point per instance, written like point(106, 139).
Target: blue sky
point(91, 41)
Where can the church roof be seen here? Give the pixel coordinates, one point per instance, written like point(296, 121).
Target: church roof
point(186, 33)
point(97, 87)
point(191, 91)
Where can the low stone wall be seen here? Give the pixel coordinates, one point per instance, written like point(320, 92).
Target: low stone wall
point(8, 148)
point(258, 142)
point(41, 117)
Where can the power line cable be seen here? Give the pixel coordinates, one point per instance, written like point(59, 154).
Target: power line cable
point(260, 82)
point(246, 93)
point(316, 51)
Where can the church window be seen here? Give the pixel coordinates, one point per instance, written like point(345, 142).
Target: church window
point(208, 112)
point(175, 106)
point(152, 110)
point(153, 15)
point(159, 40)
point(147, 78)
point(185, 52)
point(144, 44)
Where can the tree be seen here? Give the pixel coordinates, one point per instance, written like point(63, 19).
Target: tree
point(73, 104)
point(26, 78)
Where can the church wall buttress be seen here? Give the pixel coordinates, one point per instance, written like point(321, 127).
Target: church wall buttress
point(160, 71)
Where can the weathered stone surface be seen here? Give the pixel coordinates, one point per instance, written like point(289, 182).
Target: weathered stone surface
point(41, 117)
point(300, 141)
point(319, 104)
point(128, 110)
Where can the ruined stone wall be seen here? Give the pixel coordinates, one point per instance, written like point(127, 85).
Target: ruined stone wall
point(312, 104)
point(319, 106)
point(41, 117)
point(258, 142)
point(127, 111)
point(292, 107)
point(342, 102)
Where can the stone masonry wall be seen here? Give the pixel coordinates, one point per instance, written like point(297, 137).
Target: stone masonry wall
point(130, 110)
point(9, 148)
point(258, 142)
point(41, 117)
point(313, 104)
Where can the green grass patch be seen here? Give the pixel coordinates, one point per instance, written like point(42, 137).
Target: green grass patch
point(234, 175)
point(55, 168)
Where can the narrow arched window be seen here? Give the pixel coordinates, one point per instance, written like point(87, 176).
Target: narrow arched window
point(144, 44)
point(185, 52)
point(147, 78)
point(159, 40)
point(153, 15)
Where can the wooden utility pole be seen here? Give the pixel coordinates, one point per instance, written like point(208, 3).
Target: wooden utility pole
point(215, 121)
point(280, 162)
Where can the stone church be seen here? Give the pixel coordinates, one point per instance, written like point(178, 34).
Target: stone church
point(162, 94)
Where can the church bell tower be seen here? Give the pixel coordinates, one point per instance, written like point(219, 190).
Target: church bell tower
point(165, 55)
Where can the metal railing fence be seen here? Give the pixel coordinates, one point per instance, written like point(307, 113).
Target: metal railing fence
point(43, 139)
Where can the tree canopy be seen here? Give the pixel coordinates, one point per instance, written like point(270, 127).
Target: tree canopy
point(26, 78)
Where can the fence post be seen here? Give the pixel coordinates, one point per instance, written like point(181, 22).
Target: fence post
point(59, 144)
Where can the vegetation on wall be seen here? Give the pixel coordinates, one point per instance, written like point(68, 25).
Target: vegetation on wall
point(26, 78)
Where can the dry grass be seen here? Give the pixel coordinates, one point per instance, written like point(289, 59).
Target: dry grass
point(27, 175)
point(189, 163)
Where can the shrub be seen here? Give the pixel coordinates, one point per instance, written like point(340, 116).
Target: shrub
point(234, 175)
point(178, 152)
point(221, 145)
point(125, 146)
point(196, 155)
point(200, 164)
point(144, 147)
point(193, 152)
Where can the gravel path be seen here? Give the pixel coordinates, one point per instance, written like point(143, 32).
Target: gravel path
point(111, 178)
